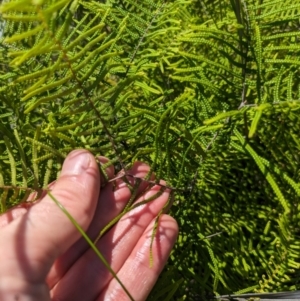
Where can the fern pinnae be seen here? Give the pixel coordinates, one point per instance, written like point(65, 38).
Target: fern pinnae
point(258, 49)
point(267, 228)
point(44, 72)
point(23, 157)
point(290, 86)
point(39, 48)
point(30, 56)
point(88, 46)
point(79, 24)
point(35, 86)
point(73, 110)
point(14, 197)
point(54, 7)
point(200, 68)
point(167, 151)
point(215, 267)
point(281, 35)
point(64, 137)
point(47, 147)
point(263, 169)
point(130, 117)
point(96, 63)
point(157, 143)
point(283, 61)
point(146, 87)
point(15, 6)
point(48, 172)
point(103, 173)
point(282, 47)
point(84, 35)
point(151, 118)
point(70, 126)
point(34, 151)
point(142, 37)
point(222, 116)
point(116, 90)
point(276, 92)
point(120, 102)
point(23, 35)
point(12, 161)
point(138, 125)
point(206, 128)
point(202, 81)
point(34, 103)
point(94, 54)
point(47, 87)
point(41, 158)
point(153, 234)
point(254, 123)
point(21, 28)
point(198, 132)
point(21, 17)
point(3, 200)
point(157, 153)
point(290, 181)
point(94, 129)
point(142, 8)
point(1, 180)
point(282, 222)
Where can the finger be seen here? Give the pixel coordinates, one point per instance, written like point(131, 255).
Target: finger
point(21, 209)
point(115, 246)
point(11, 215)
point(111, 203)
point(136, 274)
point(114, 199)
point(33, 241)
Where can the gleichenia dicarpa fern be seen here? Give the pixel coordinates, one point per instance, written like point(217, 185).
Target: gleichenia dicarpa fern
point(207, 92)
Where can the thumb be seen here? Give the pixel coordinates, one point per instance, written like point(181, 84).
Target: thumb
point(31, 243)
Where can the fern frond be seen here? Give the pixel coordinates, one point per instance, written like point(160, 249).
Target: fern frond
point(263, 169)
point(183, 86)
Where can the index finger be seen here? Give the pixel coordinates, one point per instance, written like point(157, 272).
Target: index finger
point(35, 239)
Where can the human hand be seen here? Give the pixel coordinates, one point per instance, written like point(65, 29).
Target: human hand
point(43, 257)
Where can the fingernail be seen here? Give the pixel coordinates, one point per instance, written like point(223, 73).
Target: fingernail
point(76, 163)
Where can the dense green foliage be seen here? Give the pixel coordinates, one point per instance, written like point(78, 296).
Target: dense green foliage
point(206, 91)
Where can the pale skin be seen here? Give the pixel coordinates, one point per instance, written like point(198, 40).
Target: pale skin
point(43, 257)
